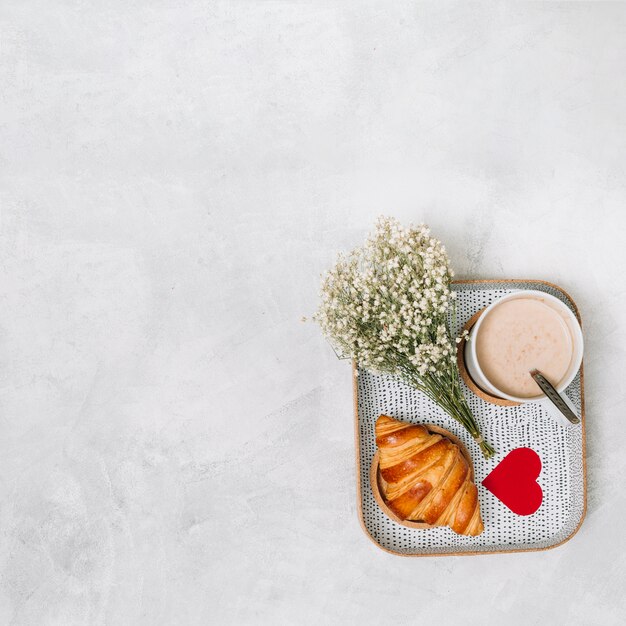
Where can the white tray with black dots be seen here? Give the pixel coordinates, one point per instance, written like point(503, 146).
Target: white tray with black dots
point(561, 449)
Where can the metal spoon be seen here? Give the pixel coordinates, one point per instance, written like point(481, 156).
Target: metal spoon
point(554, 396)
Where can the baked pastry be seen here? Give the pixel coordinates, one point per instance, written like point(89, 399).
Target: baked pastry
point(426, 478)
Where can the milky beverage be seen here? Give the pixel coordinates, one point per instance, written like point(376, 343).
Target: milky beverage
point(520, 335)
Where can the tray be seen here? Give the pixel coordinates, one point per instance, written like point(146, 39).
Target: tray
point(561, 448)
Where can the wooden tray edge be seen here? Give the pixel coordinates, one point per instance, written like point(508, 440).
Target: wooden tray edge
point(355, 392)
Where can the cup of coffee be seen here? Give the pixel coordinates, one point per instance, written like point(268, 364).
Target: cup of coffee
point(521, 332)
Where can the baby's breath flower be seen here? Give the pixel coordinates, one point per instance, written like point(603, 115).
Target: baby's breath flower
point(386, 306)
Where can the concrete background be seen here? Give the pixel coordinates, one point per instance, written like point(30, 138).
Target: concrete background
point(176, 447)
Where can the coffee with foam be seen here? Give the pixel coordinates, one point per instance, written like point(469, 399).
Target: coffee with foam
point(519, 335)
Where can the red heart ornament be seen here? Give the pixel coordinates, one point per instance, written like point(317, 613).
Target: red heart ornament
point(514, 481)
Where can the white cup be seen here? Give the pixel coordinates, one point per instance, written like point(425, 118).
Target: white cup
point(478, 376)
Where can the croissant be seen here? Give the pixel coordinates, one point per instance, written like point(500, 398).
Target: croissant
point(426, 478)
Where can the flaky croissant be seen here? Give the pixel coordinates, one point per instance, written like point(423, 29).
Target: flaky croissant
point(426, 478)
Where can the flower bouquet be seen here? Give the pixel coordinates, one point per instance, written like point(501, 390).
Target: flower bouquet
point(388, 306)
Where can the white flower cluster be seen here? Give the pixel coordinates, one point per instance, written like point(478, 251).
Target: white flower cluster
point(386, 304)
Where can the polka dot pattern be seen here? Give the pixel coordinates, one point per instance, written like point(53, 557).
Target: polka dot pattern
point(506, 428)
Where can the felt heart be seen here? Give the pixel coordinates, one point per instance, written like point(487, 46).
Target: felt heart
point(514, 481)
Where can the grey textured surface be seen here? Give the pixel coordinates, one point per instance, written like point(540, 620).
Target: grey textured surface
point(176, 446)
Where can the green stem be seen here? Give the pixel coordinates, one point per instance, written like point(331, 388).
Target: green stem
point(445, 390)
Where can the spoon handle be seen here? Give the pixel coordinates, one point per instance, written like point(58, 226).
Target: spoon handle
point(554, 396)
